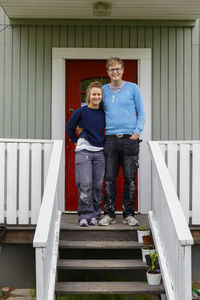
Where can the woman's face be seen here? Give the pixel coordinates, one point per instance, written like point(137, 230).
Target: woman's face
point(95, 97)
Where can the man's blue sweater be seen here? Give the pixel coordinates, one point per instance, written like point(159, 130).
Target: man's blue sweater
point(124, 110)
point(93, 123)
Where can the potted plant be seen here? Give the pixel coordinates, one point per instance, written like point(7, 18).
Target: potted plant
point(145, 251)
point(153, 271)
point(147, 239)
point(142, 231)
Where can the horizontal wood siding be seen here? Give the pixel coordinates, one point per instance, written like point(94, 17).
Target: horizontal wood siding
point(25, 74)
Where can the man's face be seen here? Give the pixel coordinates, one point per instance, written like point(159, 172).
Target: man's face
point(115, 72)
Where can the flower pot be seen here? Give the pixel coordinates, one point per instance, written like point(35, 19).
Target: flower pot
point(147, 239)
point(142, 233)
point(154, 278)
point(146, 252)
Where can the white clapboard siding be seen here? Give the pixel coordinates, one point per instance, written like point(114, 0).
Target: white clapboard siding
point(184, 189)
point(11, 183)
point(172, 163)
point(196, 184)
point(24, 183)
point(2, 181)
point(36, 177)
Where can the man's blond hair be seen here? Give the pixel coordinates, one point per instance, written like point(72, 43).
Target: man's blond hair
point(113, 61)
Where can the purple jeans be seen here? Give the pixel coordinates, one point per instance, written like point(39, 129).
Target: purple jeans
point(90, 169)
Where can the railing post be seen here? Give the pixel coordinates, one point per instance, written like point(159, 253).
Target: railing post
point(186, 274)
point(40, 276)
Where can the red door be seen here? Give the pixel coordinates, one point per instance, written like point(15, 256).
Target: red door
point(79, 73)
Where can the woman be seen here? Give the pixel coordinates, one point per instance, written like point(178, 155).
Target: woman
point(89, 160)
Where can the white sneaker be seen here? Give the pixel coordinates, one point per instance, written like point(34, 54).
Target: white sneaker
point(93, 222)
point(107, 220)
point(83, 223)
point(130, 220)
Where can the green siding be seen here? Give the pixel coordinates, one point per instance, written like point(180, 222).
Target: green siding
point(25, 73)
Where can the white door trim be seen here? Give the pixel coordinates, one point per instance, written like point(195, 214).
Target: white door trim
point(59, 55)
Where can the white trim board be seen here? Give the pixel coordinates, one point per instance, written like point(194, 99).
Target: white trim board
point(143, 56)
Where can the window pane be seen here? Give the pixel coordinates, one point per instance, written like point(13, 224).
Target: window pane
point(83, 95)
point(103, 80)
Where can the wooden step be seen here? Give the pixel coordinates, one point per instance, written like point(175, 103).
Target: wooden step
point(101, 264)
point(100, 244)
point(107, 288)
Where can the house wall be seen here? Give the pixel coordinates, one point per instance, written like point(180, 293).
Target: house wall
point(18, 260)
point(25, 73)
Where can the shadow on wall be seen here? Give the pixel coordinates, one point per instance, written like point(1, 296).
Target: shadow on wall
point(17, 264)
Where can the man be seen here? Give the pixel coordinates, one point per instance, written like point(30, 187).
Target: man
point(125, 118)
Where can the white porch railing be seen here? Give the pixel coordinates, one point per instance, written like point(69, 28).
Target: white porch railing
point(183, 161)
point(23, 171)
point(170, 230)
point(47, 231)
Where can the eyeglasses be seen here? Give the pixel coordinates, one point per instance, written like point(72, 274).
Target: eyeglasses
point(115, 69)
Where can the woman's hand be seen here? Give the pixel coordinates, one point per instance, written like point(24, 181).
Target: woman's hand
point(79, 130)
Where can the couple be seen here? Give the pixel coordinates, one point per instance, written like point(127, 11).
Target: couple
point(124, 121)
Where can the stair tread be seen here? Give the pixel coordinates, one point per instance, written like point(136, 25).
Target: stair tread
point(100, 244)
point(107, 288)
point(100, 264)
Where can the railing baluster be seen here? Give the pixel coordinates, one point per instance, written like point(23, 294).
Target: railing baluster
point(172, 163)
point(36, 181)
point(24, 183)
point(184, 186)
point(47, 156)
point(196, 184)
point(12, 183)
point(2, 182)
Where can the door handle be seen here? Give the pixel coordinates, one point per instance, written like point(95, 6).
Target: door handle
point(71, 110)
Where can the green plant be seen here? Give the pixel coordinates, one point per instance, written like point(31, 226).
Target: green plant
point(142, 228)
point(154, 262)
point(32, 293)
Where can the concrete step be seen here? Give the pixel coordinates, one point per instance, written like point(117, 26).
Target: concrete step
point(124, 288)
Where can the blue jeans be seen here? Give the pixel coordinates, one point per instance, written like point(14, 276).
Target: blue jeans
point(120, 152)
point(90, 170)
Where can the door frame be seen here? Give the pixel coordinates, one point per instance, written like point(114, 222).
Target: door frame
point(143, 56)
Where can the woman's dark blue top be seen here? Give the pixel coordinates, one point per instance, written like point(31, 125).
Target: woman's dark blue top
point(93, 123)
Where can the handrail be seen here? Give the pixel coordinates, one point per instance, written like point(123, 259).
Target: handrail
point(44, 219)
point(170, 230)
point(46, 234)
point(182, 229)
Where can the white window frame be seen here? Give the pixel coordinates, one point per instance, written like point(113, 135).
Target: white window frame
point(143, 56)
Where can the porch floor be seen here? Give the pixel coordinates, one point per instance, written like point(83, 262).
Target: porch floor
point(69, 221)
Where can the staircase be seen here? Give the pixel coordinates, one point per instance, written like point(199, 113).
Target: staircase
point(101, 260)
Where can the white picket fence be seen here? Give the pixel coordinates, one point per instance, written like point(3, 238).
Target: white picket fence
point(168, 223)
point(23, 170)
point(183, 161)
